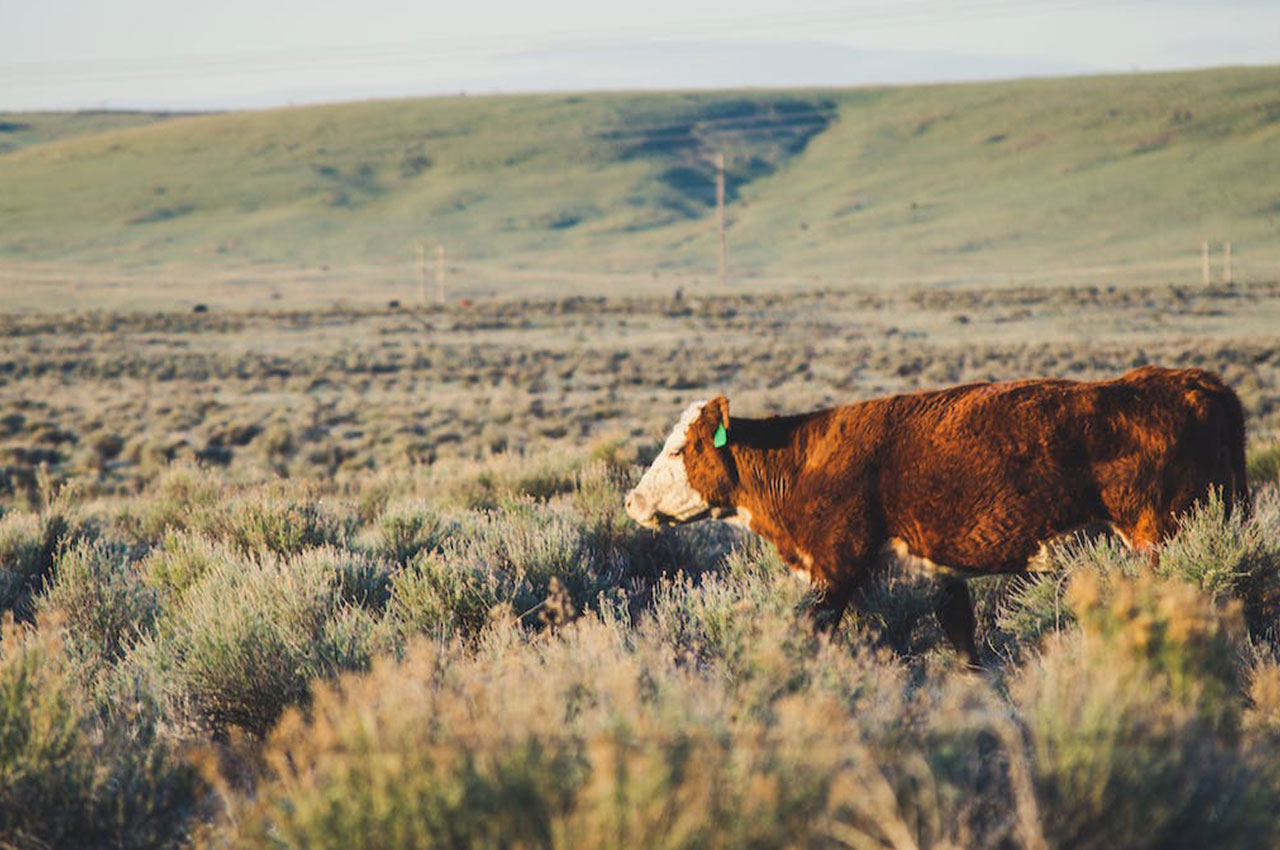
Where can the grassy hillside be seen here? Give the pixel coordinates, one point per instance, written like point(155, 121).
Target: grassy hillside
point(23, 129)
point(936, 180)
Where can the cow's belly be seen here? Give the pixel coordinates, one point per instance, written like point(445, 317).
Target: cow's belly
point(896, 555)
point(1027, 556)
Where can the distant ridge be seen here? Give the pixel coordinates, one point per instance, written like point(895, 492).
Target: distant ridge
point(917, 180)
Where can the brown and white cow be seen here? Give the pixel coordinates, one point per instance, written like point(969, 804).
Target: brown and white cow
point(963, 482)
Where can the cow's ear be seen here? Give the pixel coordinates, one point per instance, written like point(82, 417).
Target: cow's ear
point(719, 410)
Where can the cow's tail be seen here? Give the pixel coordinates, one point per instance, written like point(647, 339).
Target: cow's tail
point(1227, 468)
point(1233, 468)
point(1236, 462)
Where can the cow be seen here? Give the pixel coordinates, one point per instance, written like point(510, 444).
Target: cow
point(974, 480)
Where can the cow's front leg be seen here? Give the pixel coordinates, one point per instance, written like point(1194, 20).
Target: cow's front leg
point(832, 594)
point(954, 609)
point(829, 604)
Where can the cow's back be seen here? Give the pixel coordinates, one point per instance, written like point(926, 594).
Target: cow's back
point(976, 477)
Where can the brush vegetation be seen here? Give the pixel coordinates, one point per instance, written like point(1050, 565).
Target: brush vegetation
point(542, 674)
point(362, 578)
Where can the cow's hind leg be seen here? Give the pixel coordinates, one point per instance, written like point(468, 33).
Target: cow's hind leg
point(954, 609)
point(1144, 533)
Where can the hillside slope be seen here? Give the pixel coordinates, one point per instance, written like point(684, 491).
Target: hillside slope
point(940, 180)
point(25, 129)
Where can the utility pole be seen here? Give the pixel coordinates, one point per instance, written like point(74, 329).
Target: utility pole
point(1226, 261)
point(422, 273)
point(722, 263)
point(440, 275)
point(1204, 261)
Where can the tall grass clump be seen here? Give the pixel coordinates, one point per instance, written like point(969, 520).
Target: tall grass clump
point(248, 637)
point(69, 778)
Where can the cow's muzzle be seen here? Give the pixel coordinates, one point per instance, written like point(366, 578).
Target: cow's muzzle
point(640, 510)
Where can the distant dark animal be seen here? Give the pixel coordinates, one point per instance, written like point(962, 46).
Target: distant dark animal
point(200, 308)
point(963, 482)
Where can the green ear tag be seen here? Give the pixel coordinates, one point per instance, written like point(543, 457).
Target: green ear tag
point(721, 439)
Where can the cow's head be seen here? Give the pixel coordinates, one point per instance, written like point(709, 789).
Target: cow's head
point(693, 476)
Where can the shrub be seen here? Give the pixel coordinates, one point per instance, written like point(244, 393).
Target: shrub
point(28, 546)
point(68, 778)
point(183, 497)
point(1131, 723)
point(1263, 713)
point(500, 478)
point(1219, 554)
point(645, 556)
point(729, 619)
point(180, 559)
point(271, 519)
point(1035, 606)
point(578, 742)
point(504, 557)
point(278, 523)
point(406, 531)
point(897, 610)
point(1118, 763)
point(247, 638)
point(598, 494)
point(99, 594)
point(1172, 628)
point(442, 595)
point(1263, 465)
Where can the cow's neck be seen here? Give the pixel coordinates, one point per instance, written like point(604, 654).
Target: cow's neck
point(769, 456)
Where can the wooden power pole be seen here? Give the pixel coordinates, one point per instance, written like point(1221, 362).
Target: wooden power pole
point(1226, 261)
point(440, 275)
point(721, 257)
point(422, 273)
point(1204, 261)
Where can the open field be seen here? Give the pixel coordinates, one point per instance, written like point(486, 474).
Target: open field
point(358, 576)
point(350, 391)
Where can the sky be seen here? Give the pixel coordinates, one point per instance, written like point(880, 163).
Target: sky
point(176, 55)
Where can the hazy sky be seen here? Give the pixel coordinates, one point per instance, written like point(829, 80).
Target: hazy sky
point(57, 54)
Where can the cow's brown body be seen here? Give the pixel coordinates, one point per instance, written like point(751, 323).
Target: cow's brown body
point(971, 480)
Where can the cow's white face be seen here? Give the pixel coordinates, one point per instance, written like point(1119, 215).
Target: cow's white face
point(664, 495)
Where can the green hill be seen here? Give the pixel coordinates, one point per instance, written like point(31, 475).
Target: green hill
point(947, 180)
point(23, 129)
